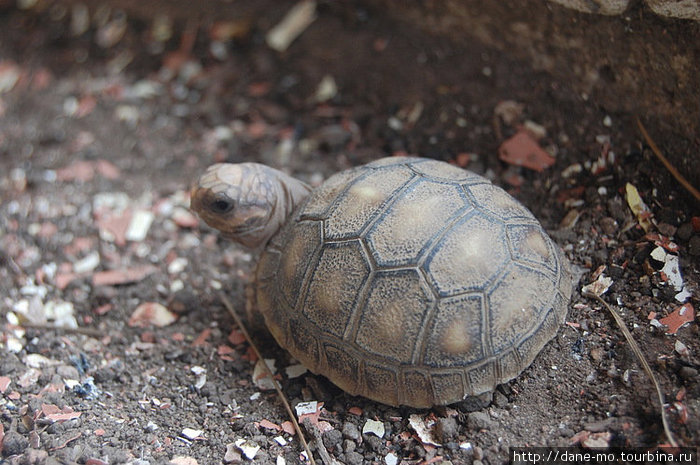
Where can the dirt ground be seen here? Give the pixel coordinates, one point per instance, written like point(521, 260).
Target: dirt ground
point(103, 130)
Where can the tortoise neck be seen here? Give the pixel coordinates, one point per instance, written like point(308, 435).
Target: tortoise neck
point(293, 194)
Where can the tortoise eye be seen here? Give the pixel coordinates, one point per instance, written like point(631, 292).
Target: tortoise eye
point(221, 205)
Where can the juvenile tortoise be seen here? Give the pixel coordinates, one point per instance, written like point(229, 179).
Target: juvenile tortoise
point(406, 280)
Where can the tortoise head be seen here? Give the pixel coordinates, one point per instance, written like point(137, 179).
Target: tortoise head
point(247, 202)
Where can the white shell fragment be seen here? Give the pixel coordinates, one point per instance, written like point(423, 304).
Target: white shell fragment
point(38, 361)
point(151, 313)
point(423, 430)
point(466, 445)
point(295, 371)
point(110, 201)
point(198, 370)
point(327, 89)
point(249, 448)
point(373, 427)
point(14, 345)
point(87, 263)
point(260, 377)
point(681, 349)
point(659, 254)
point(201, 373)
point(672, 270)
point(61, 313)
point(178, 265)
point(306, 408)
point(151, 426)
point(139, 225)
point(598, 287)
point(191, 433)
point(298, 18)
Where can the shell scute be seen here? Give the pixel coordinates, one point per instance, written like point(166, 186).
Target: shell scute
point(469, 255)
point(397, 299)
point(334, 285)
point(361, 200)
point(455, 334)
point(529, 245)
point(408, 226)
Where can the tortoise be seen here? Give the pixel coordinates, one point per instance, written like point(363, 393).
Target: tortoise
point(407, 280)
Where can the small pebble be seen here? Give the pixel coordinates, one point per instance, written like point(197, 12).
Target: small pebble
point(67, 372)
point(35, 456)
point(616, 271)
point(608, 225)
point(351, 431)
point(232, 454)
point(375, 443)
point(599, 426)
point(332, 439)
point(183, 301)
point(479, 420)
point(474, 403)
point(566, 432)
point(499, 400)
point(14, 443)
point(694, 246)
point(446, 429)
point(688, 373)
point(597, 354)
point(349, 446)
point(353, 458)
point(684, 231)
point(667, 229)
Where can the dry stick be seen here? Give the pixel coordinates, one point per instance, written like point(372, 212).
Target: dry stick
point(635, 348)
point(268, 373)
point(84, 331)
point(679, 177)
point(322, 451)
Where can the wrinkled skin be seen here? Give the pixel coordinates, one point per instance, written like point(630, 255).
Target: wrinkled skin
point(247, 202)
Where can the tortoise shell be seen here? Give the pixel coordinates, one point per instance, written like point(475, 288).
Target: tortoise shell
point(410, 281)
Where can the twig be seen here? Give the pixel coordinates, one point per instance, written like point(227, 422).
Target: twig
point(84, 331)
point(322, 451)
point(189, 36)
point(654, 148)
point(637, 351)
point(268, 373)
